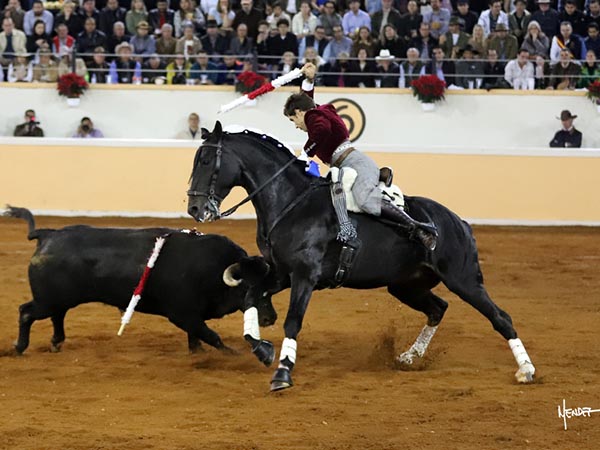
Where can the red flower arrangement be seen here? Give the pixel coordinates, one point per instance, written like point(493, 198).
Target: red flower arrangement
point(249, 81)
point(428, 89)
point(593, 92)
point(71, 85)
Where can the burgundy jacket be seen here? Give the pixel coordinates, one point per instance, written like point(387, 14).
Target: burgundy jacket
point(326, 131)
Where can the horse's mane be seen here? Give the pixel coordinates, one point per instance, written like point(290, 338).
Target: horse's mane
point(267, 142)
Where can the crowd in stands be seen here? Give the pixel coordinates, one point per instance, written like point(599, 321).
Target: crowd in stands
point(522, 44)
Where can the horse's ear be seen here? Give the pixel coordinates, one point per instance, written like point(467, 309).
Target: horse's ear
point(218, 131)
point(205, 133)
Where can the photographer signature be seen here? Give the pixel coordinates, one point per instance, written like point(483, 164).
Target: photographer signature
point(569, 413)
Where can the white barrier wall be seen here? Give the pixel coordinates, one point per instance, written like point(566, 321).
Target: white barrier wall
point(393, 118)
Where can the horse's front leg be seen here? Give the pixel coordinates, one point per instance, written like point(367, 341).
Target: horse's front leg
point(302, 289)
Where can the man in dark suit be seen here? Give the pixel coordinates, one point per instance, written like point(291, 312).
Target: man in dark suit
point(568, 136)
point(284, 41)
point(109, 15)
point(440, 67)
point(161, 15)
point(249, 15)
point(213, 42)
point(387, 14)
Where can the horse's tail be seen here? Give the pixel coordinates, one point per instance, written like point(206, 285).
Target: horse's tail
point(25, 214)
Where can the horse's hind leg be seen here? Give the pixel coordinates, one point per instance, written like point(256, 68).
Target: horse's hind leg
point(28, 313)
point(432, 306)
point(58, 322)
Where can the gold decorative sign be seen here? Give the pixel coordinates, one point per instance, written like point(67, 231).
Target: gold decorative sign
point(352, 115)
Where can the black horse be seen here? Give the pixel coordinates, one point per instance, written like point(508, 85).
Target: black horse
point(297, 229)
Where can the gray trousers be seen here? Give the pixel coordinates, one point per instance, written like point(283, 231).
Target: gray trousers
point(367, 194)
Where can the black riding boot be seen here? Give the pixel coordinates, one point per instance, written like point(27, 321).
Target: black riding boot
point(425, 232)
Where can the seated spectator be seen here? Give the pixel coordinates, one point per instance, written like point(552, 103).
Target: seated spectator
point(468, 17)
point(283, 41)
point(37, 12)
point(188, 12)
point(355, 18)
point(86, 130)
point(318, 40)
point(90, 38)
point(592, 42)
point(124, 69)
point(46, 71)
point(590, 71)
point(11, 41)
point(304, 22)
point(65, 65)
point(518, 20)
point(286, 65)
point(360, 71)
point(98, 68)
point(337, 71)
point(390, 40)
point(88, 10)
point(535, 41)
point(440, 67)
point(506, 46)
point(564, 75)
point(339, 44)
point(241, 44)
point(491, 18)
point(363, 39)
point(574, 17)
point(20, 70)
point(117, 37)
point(547, 17)
point(193, 131)
point(29, 128)
point(494, 72)
point(230, 69)
point(387, 12)
point(188, 45)
point(260, 47)
point(248, 15)
point(14, 11)
point(142, 42)
point(520, 73)
point(312, 56)
point(214, 43)
point(410, 69)
point(454, 41)
point(70, 18)
point(568, 136)
point(478, 41)
point(160, 15)
point(166, 44)
point(424, 42)
point(541, 70)
point(135, 15)
point(388, 70)
point(203, 71)
point(222, 15)
point(566, 39)
point(178, 71)
point(154, 71)
point(109, 15)
point(278, 13)
point(438, 19)
point(62, 41)
point(410, 22)
point(593, 14)
point(469, 70)
point(38, 39)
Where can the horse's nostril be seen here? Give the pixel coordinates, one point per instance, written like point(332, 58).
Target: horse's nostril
point(193, 211)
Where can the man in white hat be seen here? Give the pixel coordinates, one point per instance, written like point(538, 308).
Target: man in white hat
point(388, 70)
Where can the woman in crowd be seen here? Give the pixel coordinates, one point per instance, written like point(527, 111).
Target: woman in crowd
point(478, 40)
point(70, 18)
point(304, 21)
point(224, 16)
point(135, 15)
point(364, 40)
point(535, 41)
point(20, 70)
point(178, 71)
point(390, 40)
point(39, 39)
point(590, 71)
point(287, 64)
point(64, 66)
point(188, 12)
point(361, 71)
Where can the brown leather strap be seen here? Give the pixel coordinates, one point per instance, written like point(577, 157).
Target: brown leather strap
point(342, 157)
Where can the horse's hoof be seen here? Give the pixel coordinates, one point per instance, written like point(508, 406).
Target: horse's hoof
point(525, 373)
point(282, 379)
point(265, 352)
point(19, 348)
point(406, 358)
point(55, 348)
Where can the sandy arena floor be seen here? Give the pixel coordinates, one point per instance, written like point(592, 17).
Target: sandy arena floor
point(144, 391)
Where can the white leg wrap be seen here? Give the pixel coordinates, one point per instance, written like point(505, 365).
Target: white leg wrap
point(251, 323)
point(526, 368)
point(288, 350)
point(420, 345)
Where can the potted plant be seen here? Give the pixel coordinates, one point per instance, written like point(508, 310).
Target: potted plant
point(72, 86)
point(593, 93)
point(249, 81)
point(428, 89)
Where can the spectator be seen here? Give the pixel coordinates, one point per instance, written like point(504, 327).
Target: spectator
point(38, 39)
point(590, 71)
point(387, 15)
point(568, 136)
point(62, 41)
point(230, 70)
point(90, 38)
point(337, 45)
point(469, 71)
point(86, 130)
point(518, 20)
point(193, 129)
point(592, 42)
point(288, 63)
point(160, 15)
point(440, 67)
point(188, 44)
point(490, 18)
point(15, 12)
point(593, 14)
point(166, 44)
point(390, 40)
point(547, 17)
point(478, 41)
point(142, 42)
point(98, 68)
point(519, 73)
point(410, 69)
point(355, 18)
point(494, 72)
point(337, 71)
point(30, 127)
point(574, 17)
point(250, 16)
point(69, 17)
point(154, 70)
point(207, 5)
point(304, 22)
point(214, 42)
point(506, 46)
point(438, 19)
point(222, 15)
point(135, 15)
point(454, 41)
point(65, 65)
point(363, 39)
point(46, 71)
point(318, 40)
point(388, 70)
point(109, 15)
point(178, 71)
point(329, 18)
point(124, 69)
point(117, 37)
point(373, 6)
point(284, 41)
point(536, 42)
point(11, 41)
point(188, 12)
point(410, 22)
point(312, 56)
point(88, 10)
point(37, 12)
point(564, 75)
point(566, 40)
point(204, 71)
point(542, 69)
point(20, 70)
point(469, 17)
point(424, 42)
point(261, 48)
point(241, 44)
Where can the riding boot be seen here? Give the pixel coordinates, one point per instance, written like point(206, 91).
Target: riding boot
point(425, 232)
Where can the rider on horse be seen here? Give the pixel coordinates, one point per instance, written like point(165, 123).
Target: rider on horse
point(328, 139)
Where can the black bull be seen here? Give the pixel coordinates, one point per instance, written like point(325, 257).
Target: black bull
point(81, 264)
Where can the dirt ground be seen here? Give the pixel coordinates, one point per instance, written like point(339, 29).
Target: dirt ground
point(144, 391)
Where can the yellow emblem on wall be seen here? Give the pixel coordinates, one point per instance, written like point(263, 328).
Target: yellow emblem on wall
point(352, 115)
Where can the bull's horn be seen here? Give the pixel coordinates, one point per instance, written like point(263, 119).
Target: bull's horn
point(228, 275)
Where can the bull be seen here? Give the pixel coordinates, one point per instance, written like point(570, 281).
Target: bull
point(196, 278)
